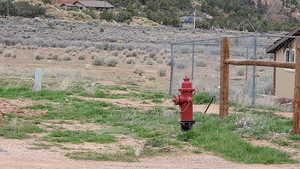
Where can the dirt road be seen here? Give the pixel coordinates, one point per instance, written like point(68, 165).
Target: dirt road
point(16, 154)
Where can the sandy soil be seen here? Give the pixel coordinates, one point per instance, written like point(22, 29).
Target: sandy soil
point(15, 154)
point(19, 106)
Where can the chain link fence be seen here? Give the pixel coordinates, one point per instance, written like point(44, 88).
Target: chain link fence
point(249, 85)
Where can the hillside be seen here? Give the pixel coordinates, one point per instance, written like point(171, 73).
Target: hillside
point(260, 15)
point(249, 15)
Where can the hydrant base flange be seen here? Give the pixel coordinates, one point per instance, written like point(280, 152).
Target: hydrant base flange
point(186, 125)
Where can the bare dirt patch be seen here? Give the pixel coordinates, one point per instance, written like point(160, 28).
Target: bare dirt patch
point(72, 125)
point(17, 155)
point(18, 106)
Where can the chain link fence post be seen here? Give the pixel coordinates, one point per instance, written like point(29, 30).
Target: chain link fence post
point(172, 70)
point(193, 61)
point(253, 90)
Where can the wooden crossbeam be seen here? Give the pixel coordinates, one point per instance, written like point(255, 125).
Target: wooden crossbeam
point(261, 63)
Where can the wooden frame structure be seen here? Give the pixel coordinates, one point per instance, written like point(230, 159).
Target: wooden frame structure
point(224, 78)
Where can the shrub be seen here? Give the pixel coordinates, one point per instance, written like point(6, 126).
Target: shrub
point(91, 13)
point(180, 66)
point(152, 55)
point(71, 49)
point(241, 72)
point(46, 1)
point(202, 98)
point(107, 15)
point(99, 61)
point(149, 62)
point(26, 9)
point(123, 16)
point(9, 53)
point(81, 57)
point(38, 56)
point(162, 72)
point(52, 57)
point(130, 61)
point(67, 58)
point(111, 61)
point(138, 71)
point(201, 64)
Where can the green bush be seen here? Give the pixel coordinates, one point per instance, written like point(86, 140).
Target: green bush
point(107, 15)
point(123, 16)
point(20, 8)
point(91, 13)
point(202, 98)
point(26, 9)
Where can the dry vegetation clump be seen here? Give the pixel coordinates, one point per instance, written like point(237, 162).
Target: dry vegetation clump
point(106, 61)
point(71, 49)
point(152, 55)
point(160, 61)
point(201, 64)
point(149, 62)
point(38, 56)
point(9, 54)
point(180, 66)
point(162, 72)
point(111, 61)
point(116, 53)
point(52, 57)
point(130, 61)
point(66, 58)
point(81, 57)
point(139, 72)
point(99, 61)
point(241, 72)
point(132, 54)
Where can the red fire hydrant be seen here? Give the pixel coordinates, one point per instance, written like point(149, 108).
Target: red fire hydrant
point(185, 101)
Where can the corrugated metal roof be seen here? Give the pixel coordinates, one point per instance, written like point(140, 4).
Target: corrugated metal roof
point(281, 42)
point(95, 4)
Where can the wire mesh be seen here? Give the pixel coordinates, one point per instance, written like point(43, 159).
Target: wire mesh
point(249, 85)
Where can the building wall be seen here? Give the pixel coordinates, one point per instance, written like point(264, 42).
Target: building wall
point(285, 78)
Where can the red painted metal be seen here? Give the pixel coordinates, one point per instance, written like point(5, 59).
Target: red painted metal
point(185, 101)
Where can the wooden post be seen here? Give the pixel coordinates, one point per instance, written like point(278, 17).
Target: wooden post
point(224, 78)
point(296, 118)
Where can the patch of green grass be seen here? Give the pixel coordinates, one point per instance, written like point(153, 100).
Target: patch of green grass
point(77, 137)
point(258, 124)
point(14, 93)
point(127, 156)
point(202, 98)
point(161, 142)
point(18, 129)
point(41, 107)
point(280, 142)
point(218, 136)
point(153, 96)
point(111, 87)
point(294, 137)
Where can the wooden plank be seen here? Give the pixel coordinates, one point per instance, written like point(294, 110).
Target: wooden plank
point(224, 78)
point(241, 62)
point(296, 117)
